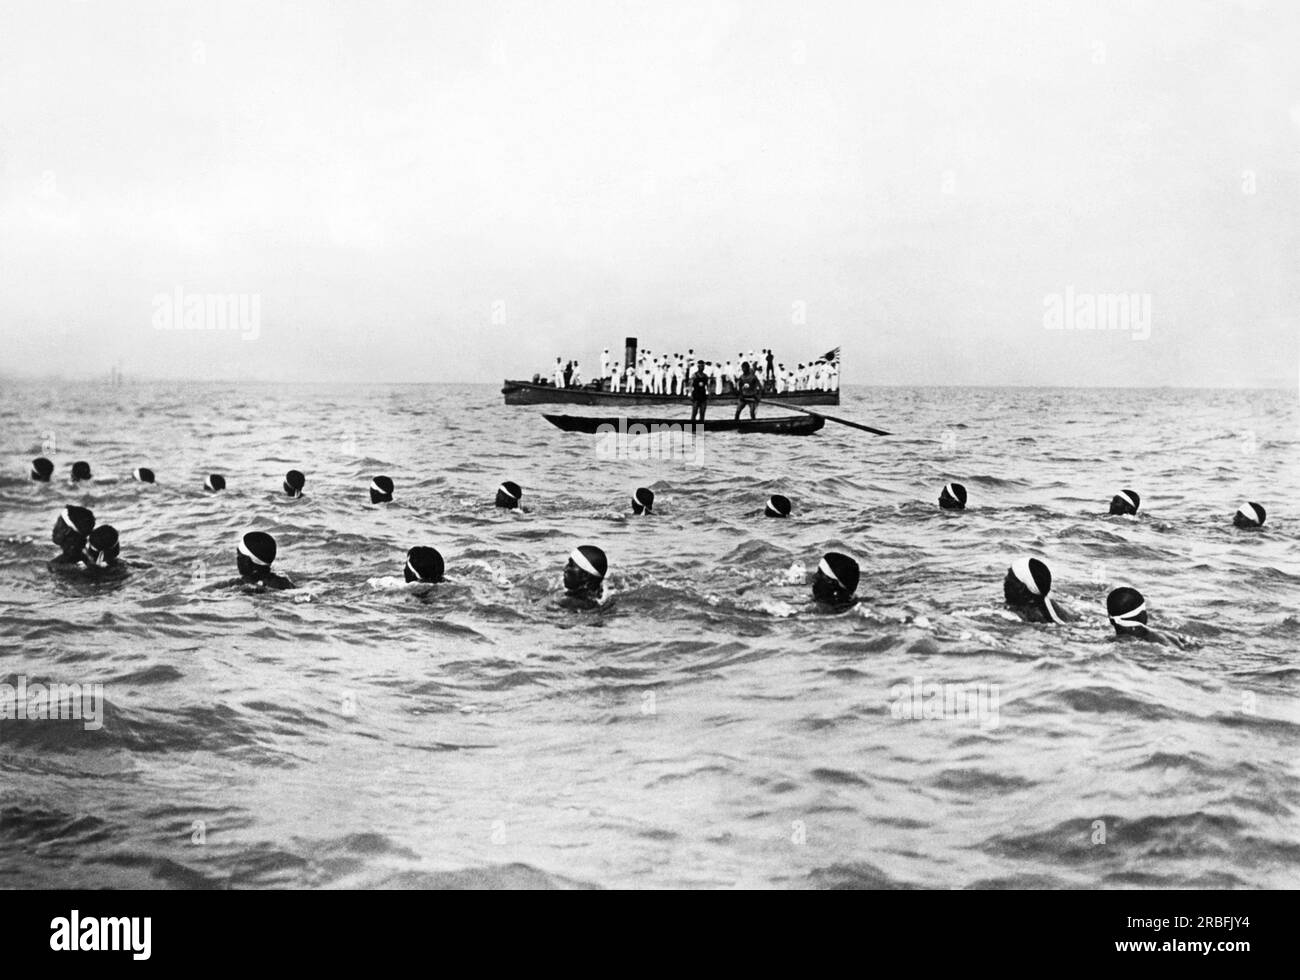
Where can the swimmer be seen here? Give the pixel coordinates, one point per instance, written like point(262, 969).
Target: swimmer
point(835, 581)
point(643, 501)
point(584, 577)
point(102, 550)
point(423, 565)
point(214, 483)
point(294, 481)
point(381, 490)
point(1027, 589)
point(253, 556)
point(508, 495)
point(777, 506)
point(143, 474)
point(1249, 515)
point(80, 471)
point(1125, 503)
point(952, 497)
point(71, 529)
point(1127, 611)
point(42, 468)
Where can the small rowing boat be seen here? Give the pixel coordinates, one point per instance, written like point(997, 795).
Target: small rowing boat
point(780, 425)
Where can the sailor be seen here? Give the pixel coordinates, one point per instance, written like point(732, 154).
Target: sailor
point(584, 577)
point(80, 471)
point(381, 490)
point(423, 565)
point(615, 375)
point(953, 497)
point(254, 554)
point(102, 548)
point(778, 505)
point(835, 377)
point(559, 373)
point(71, 529)
point(643, 501)
point(576, 380)
point(143, 475)
point(727, 374)
point(214, 483)
point(42, 468)
point(699, 392)
point(1249, 515)
point(1125, 503)
point(747, 391)
point(835, 581)
point(604, 362)
point(715, 372)
point(1027, 589)
point(508, 495)
point(294, 481)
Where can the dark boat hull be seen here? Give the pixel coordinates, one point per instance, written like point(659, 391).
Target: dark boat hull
point(527, 393)
point(783, 425)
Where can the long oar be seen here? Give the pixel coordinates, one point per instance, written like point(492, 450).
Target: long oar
point(830, 418)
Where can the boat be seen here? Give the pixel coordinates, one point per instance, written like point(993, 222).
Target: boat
point(777, 425)
point(534, 393)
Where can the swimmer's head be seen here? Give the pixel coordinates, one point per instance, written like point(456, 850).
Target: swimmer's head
point(585, 570)
point(1027, 584)
point(423, 565)
point(80, 471)
point(381, 490)
point(72, 527)
point(143, 475)
point(508, 495)
point(777, 506)
point(643, 501)
point(1249, 514)
point(294, 481)
point(214, 483)
point(1127, 609)
point(254, 554)
point(41, 469)
point(102, 546)
point(953, 497)
point(836, 579)
point(1125, 502)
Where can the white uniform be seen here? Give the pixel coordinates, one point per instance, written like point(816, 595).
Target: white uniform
point(604, 363)
point(559, 374)
point(576, 378)
point(614, 377)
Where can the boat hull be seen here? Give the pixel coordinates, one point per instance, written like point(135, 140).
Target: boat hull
point(528, 393)
point(783, 425)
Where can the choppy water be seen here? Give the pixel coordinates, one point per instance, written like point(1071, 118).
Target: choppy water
point(703, 729)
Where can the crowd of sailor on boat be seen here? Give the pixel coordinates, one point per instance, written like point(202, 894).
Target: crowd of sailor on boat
point(670, 374)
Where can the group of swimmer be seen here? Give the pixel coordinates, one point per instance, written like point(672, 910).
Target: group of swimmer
point(1026, 588)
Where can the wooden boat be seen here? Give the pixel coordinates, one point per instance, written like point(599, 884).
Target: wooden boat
point(779, 425)
point(531, 393)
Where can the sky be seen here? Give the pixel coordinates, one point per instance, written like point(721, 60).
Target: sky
point(463, 191)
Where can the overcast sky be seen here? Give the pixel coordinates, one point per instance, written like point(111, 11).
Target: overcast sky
point(438, 191)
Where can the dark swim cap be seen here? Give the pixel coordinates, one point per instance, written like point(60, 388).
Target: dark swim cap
point(80, 470)
point(381, 490)
point(294, 481)
point(41, 469)
point(102, 547)
point(1125, 502)
point(254, 553)
point(1126, 607)
point(591, 560)
point(840, 569)
point(73, 521)
point(1035, 581)
point(143, 474)
point(953, 497)
point(1249, 515)
point(423, 565)
point(777, 506)
point(508, 495)
point(215, 482)
point(643, 501)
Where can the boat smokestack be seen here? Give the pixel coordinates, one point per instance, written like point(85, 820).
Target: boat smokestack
point(629, 351)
